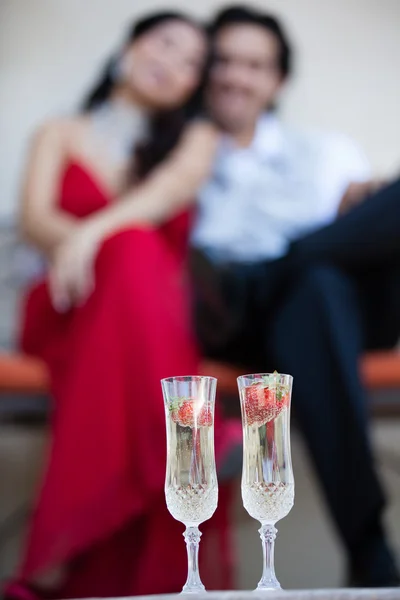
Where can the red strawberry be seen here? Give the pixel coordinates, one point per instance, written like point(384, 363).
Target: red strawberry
point(263, 404)
point(253, 395)
point(185, 416)
point(183, 412)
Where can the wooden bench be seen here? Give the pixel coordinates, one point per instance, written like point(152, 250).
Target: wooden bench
point(21, 374)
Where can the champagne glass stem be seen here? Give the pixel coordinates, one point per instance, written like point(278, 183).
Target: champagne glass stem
point(193, 583)
point(268, 581)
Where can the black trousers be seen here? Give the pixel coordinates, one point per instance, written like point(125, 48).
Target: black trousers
point(312, 314)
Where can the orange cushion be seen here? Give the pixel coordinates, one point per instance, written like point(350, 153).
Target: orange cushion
point(381, 369)
point(19, 373)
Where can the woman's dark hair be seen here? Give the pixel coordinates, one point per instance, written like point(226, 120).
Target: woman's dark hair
point(165, 127)
point(241, 15)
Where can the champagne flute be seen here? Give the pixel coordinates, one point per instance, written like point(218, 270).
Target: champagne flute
point(191, 488)
point(267, 476)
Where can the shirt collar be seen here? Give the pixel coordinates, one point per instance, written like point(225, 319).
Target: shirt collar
point(268, 142)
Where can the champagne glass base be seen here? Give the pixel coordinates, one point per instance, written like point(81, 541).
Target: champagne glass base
point(268, 586)
point(189, 589)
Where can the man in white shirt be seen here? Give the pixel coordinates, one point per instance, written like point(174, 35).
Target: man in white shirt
point(281, 186)
point(283, 284)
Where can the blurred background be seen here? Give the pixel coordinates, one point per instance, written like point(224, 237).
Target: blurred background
point(346, 79)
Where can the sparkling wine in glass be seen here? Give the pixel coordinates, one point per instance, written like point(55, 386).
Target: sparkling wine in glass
point(267, 476)
point(191, 488)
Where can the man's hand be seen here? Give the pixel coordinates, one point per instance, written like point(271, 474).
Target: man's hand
point(356, 193)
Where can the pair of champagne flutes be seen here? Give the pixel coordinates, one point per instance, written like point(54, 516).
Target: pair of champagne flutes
point(191, 486)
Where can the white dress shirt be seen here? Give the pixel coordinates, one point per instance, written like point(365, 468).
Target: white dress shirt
point(284, 185)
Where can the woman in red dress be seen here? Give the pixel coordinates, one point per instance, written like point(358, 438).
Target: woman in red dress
point(111, 316)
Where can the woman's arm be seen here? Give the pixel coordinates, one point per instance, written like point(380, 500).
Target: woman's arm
point(41, 222)
point(170, 188)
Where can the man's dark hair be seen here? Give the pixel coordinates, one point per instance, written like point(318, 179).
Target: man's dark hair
point(242, 15)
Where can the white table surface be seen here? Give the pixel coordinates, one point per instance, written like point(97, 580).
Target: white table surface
point(331, 594)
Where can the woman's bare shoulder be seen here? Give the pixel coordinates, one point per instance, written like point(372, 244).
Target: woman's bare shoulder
point(59, 131)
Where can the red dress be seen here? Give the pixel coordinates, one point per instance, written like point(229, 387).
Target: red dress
point(102, 510)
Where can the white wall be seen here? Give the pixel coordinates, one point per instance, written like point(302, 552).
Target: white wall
point(347, 73)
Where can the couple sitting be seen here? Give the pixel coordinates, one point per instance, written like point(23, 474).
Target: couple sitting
point(110, 198)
